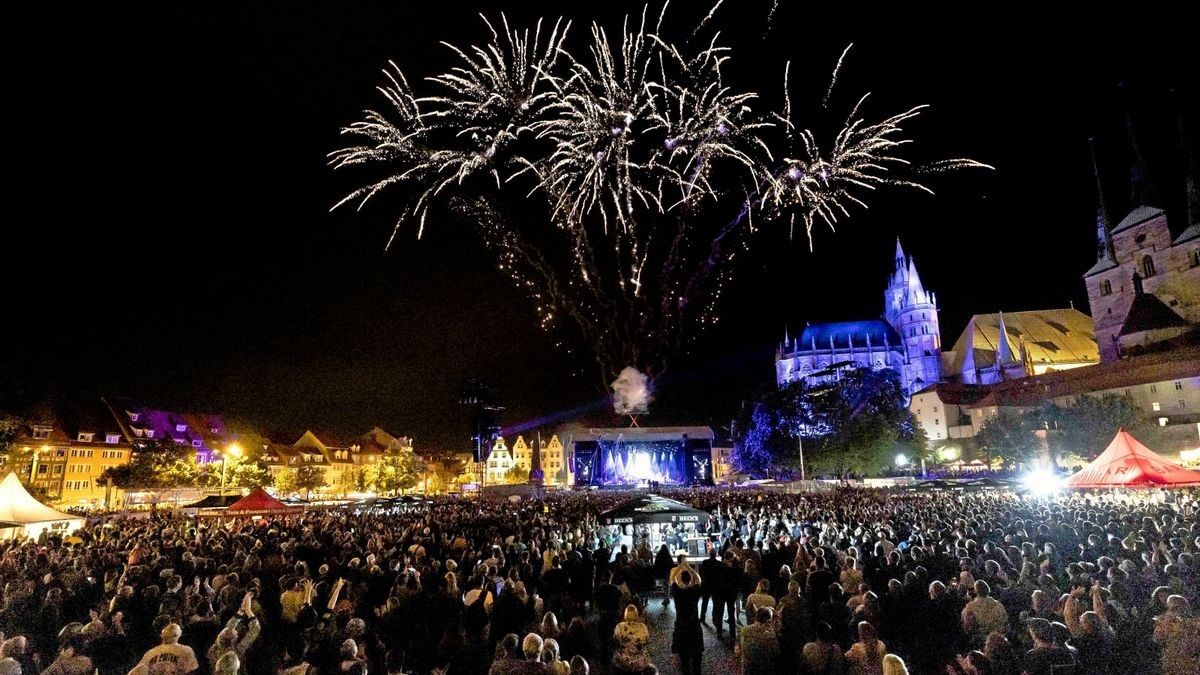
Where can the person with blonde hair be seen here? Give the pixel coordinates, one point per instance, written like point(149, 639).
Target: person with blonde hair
point(894, 665)
point(550, 656)
point(866, 656)
point(632, 655)
point(549, 629)
point(761, 597)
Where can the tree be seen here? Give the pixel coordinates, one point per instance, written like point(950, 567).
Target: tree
point(118, 476)
point(309, 478)
point(398, 470)
point(285, 482)
point(516, 475)
point(160, 463)
point(858, 423)
point(11, 427)
point(248, 469)
point(1086, 426)
point(1008, 436)
point(448, 469)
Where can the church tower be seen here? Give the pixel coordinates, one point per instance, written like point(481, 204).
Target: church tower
point(912, 311)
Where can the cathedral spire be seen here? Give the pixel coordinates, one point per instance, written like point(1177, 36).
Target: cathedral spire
point(899, 255)
point(1140, 188)
point(969, 375)
point(1003, 350)
point(916, 291)
point(1104, 247)
point(1189, 166)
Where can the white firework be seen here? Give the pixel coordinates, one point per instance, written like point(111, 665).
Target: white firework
point(615, 183)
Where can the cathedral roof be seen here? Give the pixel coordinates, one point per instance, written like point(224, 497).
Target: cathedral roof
point(1102, 265)
point(1137, 216)
point(877, 330)
point(1050, 336)
point(1192, 232)
point(1149, 313)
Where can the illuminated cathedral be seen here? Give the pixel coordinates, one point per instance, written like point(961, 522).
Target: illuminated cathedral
point(905, 338)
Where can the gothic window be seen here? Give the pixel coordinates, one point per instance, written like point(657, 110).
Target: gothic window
point(1106, 287)
point(1147, 267)
point(1194, 257)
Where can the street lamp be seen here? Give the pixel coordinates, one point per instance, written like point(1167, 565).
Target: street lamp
point(233, 449)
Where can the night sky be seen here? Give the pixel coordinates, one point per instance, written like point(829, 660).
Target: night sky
point(169, 236)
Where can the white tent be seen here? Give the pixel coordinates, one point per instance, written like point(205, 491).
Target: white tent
point(22, 514)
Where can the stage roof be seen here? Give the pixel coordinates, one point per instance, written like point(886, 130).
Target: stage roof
point(652, 509)
point(644, 434)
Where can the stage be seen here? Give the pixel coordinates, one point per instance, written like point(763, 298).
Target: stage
point(637, 458)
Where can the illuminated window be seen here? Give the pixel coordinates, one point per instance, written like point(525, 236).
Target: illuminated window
point(1147, 267)
point(112, 438)
point(196, 444)
point(42, 468)
point(1155, 406)
point(85, 437)
point(41, 433)
point(1106, 287)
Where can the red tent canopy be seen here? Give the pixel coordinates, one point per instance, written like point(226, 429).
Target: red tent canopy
point(258, 502)
point(1128, 463)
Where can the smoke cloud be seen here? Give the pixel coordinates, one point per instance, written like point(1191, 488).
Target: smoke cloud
point(631, 392)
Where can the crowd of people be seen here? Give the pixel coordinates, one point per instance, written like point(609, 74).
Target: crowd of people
point(858, 582)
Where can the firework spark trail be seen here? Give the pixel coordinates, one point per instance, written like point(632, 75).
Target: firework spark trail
point(602, 178)
point(707, 17)
point(771, 17)
point(833, 80)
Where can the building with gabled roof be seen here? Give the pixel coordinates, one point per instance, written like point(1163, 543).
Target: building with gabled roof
point(1145, 281)
point(1012, 345)
point(66, 450)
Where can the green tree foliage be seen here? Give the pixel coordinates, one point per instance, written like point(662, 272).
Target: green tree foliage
point(286, 483)
point(398, 470)
point(1009, 436)
point(449, 468)
point(250, 469)
point(11, 427)
point(516, 475)
point(309, 478)
point(856, 424)
point(1086, 426)
point(160, 463)
point(862, 423)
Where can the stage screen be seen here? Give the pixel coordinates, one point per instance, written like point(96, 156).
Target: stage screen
point(634, 457)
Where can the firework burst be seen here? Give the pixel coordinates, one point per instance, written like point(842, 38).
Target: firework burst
point(615, 182)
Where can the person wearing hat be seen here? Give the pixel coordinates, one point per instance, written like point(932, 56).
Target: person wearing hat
point(168, 658)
